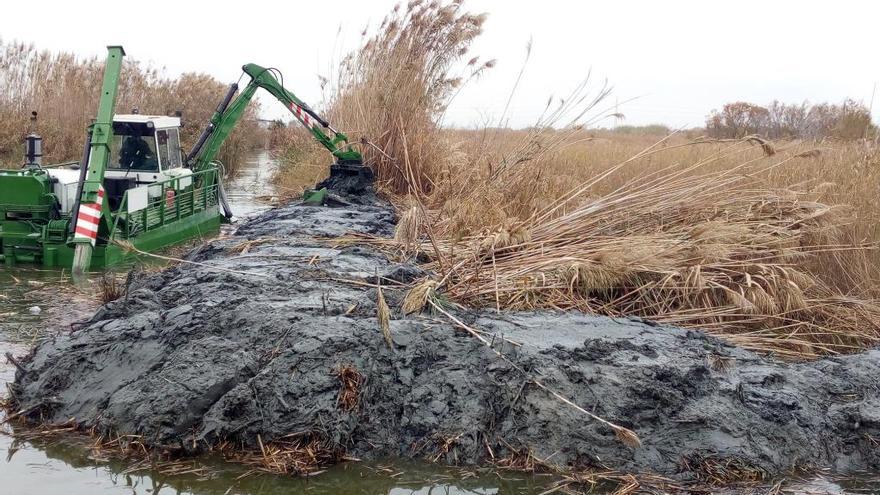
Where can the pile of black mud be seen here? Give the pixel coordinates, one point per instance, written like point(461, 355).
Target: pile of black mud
point(193, 356)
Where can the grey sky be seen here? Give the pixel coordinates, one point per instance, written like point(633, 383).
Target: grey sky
point(678, 59)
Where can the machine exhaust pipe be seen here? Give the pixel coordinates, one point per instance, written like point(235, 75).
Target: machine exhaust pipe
point(203, 138)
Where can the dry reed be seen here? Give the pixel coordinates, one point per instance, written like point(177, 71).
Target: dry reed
point(723, 471)
point(706, 233)
point(298, 454)
point(110, 288)
point(63, 89)
point(294, 454)
point(350, 380)
point(383, 315)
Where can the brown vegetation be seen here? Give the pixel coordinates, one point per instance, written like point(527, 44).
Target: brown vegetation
point(392, 92)
point(297, 454)
point(110, 287)
point(350, 382)
point(736, 236)
point(63, 90)
point(849, 120)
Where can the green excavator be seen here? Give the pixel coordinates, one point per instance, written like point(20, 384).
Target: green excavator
point(134, 188)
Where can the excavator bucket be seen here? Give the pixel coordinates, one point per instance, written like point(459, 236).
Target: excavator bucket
point(353, 178)
point(346, 180)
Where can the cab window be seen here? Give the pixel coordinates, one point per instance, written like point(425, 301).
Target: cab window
point(174, 159)
point(162, 139)
point(133, 147)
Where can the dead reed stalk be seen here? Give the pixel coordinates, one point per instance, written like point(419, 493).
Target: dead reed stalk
point(383, 315)
point(110, 288)
point(298, 454)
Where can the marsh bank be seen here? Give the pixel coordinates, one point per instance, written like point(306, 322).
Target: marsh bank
point(246, 346)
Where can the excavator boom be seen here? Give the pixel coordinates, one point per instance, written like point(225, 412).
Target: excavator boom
point(231, 109)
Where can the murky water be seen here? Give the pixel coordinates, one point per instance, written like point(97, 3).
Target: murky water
point(250, 191)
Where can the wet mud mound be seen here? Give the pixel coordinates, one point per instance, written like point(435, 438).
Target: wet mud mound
point(193, 356)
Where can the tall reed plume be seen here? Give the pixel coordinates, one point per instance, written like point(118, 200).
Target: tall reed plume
point(714, 234)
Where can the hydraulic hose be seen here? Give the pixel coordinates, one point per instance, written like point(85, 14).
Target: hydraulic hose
point(203, 138)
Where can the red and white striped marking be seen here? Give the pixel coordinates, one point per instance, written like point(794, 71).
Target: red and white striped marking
point(303, 116)
point(88, 219)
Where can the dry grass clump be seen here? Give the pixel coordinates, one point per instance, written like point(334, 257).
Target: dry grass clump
point(110, 288)
point(63, 89)
point(523, 459)
point(718, 471)
point(297, 454)
point(599, 480)
point(245, 246)
point(617, 483)
point(350, 380)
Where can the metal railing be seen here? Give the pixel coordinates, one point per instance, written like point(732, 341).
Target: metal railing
point(166, 204)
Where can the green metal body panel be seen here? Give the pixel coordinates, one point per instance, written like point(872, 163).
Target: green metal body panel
point(27, 190)
point(35, 233)
point(102, 135)
point(35, 230)
point(26, 206)
point(54, 255)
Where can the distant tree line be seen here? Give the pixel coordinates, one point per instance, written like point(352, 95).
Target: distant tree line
point(849, 120)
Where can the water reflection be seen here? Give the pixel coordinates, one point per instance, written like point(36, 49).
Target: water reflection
point(62, 467)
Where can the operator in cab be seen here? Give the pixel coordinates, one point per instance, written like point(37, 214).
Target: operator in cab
point(136, 154)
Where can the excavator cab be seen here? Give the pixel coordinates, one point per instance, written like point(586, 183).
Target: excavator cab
point(145, 149)
point(144, 146)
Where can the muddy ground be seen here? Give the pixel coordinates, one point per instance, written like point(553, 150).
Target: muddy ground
point(194, 355)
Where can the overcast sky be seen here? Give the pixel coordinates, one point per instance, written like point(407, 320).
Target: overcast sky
point(676, 59)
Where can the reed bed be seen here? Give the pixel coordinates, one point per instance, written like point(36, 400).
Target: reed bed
point(391, 93)
point(767, 268)
point(63, 89)
point(743, 238)
point(716, 251)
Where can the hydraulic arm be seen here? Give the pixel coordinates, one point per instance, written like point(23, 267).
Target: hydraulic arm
point(231, 109)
